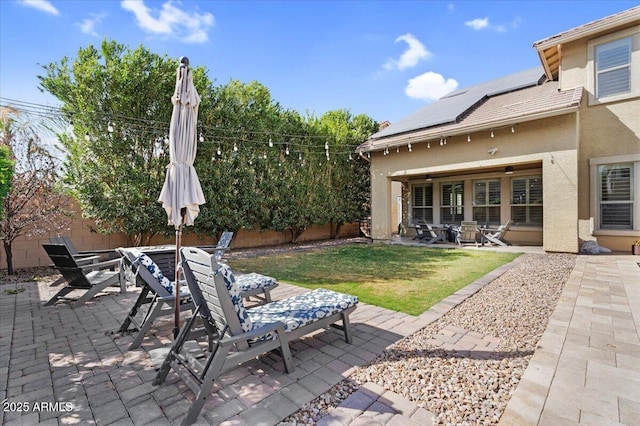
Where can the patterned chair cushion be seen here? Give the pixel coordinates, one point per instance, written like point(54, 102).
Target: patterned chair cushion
point(300, 310)
point(234, 292)
point(252, 281)
point(154, 269)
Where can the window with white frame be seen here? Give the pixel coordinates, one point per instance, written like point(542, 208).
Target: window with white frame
point(452, 202)
point(616, 196)
point(526, 200)
point(422, 207)
point(486, 201)
point(613, 68)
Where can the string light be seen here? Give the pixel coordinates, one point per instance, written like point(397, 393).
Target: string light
point(468, 138)
point(409, 146)
point(441, 141)
point(428, 145)
point(491, 132)
point(141, 129)
point(513, 130)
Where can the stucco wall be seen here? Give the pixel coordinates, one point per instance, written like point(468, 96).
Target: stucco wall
point(606, 130)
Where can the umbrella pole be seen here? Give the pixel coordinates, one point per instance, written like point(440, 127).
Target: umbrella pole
point(176, 309)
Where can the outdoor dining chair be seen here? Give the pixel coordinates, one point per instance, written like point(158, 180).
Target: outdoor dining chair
point(467, 233)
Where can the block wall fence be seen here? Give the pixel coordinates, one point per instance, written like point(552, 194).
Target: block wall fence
point(28, 251)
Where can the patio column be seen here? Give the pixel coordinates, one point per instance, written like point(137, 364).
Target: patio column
point(560, 201)
point(381, 202)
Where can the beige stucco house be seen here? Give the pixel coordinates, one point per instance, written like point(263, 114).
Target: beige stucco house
point(554, 149)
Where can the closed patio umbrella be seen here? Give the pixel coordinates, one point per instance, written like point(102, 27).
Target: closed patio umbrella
point(181, 193)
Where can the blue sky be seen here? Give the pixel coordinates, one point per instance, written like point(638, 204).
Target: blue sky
point(386, 59)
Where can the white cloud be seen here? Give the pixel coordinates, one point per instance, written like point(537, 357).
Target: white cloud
point(410, 58)
point(88, 25)
point(42, 5)
point(190, 27)
point(430, 86)
point(478, 24)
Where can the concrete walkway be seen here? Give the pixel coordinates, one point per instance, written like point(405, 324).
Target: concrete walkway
point(63, 366)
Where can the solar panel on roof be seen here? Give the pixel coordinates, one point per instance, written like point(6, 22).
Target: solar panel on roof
point(453, 105)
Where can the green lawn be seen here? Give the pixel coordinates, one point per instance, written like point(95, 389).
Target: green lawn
point(401, 278)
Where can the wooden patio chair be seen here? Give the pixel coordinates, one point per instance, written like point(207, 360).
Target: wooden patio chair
point(91, 278)
point(467, 233)
point(154, 273)
point(244, 333)
point(498, 236)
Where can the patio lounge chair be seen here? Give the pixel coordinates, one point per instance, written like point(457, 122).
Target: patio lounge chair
point(223, 245)
point(151, 272)
point(245, 333)
point(498, 236)
point(467, 233)
point(91, 278)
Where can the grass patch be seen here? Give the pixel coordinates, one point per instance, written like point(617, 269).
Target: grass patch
point(401, 278)
point(12, 291)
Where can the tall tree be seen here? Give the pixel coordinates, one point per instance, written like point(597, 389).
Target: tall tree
point(34, 205)
point(119, 101)
point(348, 195)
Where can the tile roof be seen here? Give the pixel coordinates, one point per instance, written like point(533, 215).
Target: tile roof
point(505, 109)
point(452, 106)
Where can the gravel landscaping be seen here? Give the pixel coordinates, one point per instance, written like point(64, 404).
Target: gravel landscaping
point(466, 387)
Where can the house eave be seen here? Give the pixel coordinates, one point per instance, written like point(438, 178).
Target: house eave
point(393, 142)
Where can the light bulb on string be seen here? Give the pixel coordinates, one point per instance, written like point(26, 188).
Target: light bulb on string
point(513, 130)
point(445, 141)
point(235, 147)
point(286, 151)
point(201, 137)
point(264, 155)
point(428, 145)
point(219, 151)
point(468, 138)
point(350, 157)
point(270, 142)
point(110, 127)
point(397, 149)
point(409, 147)
point(299, 156)
point(491, 132)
